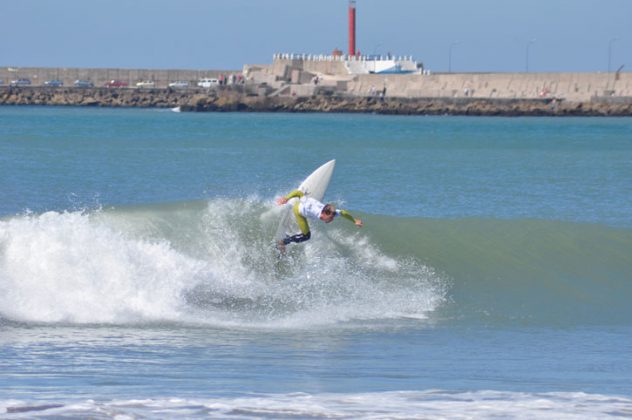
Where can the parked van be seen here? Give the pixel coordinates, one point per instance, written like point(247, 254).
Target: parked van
point(53, 83)
point(179, 84)
point(21, 82)
point(116, 84)
point(207, 83)
point(146, 84)
point(83, 84)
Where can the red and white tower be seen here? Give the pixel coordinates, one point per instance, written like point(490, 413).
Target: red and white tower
point(352, 22)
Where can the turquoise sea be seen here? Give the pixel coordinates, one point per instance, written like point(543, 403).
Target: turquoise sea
point(138, 279)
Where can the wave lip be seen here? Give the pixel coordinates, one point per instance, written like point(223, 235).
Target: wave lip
point(208, 263)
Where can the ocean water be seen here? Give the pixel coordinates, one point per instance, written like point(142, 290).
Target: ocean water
point(138, 279)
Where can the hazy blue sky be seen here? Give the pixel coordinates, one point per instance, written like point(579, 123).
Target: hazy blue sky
point(492, 35)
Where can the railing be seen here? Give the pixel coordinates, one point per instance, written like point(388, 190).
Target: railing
point(342, 57)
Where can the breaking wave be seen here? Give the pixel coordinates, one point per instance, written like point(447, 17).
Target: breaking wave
point(213, 263)
point(202, 262)
point(432, 404)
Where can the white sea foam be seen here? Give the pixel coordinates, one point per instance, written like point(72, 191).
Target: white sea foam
point(211, 264)
point(432, 404)
point(65, 267)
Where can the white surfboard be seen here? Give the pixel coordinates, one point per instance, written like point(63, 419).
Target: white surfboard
point(314, 186)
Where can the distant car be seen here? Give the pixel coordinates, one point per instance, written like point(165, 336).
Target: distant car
point(83, 84)
point(54, 83)
point(145, 84)
point(20, 82)
point(207, 83)
point(116, 84)
point(179, 84)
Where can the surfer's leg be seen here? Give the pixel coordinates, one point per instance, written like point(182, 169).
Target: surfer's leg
point(303, 226)
point(302, 221)
point(301, 237)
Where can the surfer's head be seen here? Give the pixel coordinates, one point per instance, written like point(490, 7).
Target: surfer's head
point(328, 213)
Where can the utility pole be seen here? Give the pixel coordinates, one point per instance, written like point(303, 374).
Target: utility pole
point(612, 41)
point(450, 55)
point(527, 54)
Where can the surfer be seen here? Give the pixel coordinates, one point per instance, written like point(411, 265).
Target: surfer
point(314, 209)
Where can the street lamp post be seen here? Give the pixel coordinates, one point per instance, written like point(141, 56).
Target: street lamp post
point(527, 54)
point(450, 55)
point(610, 52)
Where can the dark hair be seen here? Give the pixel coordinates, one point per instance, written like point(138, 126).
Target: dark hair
point(329, 209)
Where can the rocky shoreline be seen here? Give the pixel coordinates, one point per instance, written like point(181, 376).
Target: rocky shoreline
point(235, 99)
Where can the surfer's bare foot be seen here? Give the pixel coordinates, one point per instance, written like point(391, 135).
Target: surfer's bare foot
point(281, 246)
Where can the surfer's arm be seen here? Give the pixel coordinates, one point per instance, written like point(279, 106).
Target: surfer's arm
point(293, 194)
point(345, 214)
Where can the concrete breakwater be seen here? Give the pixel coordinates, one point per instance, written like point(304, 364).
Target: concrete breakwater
point(317, 84)
point(242, 99)
point(314, 84)
point(297, 74)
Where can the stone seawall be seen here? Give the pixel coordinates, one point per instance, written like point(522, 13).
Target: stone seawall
point(405, 106)
point(242, 99)
point(151, 98)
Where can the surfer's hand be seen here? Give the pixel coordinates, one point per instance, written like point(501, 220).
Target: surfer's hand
point(281, 200)
point(358, 222)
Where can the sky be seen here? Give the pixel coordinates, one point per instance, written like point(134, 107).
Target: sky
point(456, 35)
